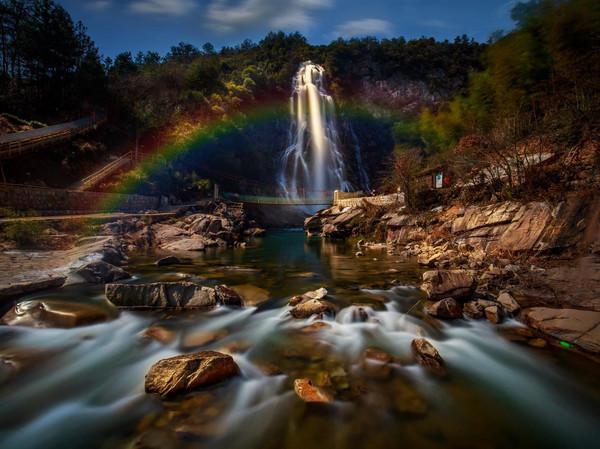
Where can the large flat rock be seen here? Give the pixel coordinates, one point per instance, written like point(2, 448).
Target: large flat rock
point(161, 295)
point(578, 327)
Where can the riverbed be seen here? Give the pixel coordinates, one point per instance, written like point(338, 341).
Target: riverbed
point(84, 387)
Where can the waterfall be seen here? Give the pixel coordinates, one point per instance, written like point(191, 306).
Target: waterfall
point(312, 165)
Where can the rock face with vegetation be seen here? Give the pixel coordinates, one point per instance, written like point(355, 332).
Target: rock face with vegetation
point(185, 373)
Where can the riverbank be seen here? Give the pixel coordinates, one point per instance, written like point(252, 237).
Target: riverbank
point(545, 257)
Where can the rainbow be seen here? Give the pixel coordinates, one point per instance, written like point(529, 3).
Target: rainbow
point(207, 132)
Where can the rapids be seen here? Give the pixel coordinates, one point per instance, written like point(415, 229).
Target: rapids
point(83, 387)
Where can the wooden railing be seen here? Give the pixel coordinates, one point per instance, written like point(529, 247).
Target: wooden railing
point(14, 144)
point(106, 171)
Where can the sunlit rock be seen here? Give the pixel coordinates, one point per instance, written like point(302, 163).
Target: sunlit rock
point(189, 372)
point(446, 308)
point(308, 392)
point(577, 327)
point(440, 284)
point(428, 356)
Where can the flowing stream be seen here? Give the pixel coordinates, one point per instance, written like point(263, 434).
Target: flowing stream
point(83, 387)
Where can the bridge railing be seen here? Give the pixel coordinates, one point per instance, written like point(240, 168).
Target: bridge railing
point(14, 144)
point(106, 171)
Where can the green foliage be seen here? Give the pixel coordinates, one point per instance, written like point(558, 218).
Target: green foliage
point(46, 59)
point(543, 73)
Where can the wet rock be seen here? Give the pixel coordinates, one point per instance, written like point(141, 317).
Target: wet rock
point(161, 295)
point(377, 364)
point(509, 303)
point(60, 314)
point(308, 392)
point(228, 296)
point(172, 260)
point(578, 327)
point(102, 272)
point(158, 333)
point(447, 308)
point(476, 309)
point(493, 314)
point(440, 284)
point(111, 255)
point(269, 369)
point(310, 307)
point(189, 372)
point(428, 356)
point(23, 288)
point(317, 294)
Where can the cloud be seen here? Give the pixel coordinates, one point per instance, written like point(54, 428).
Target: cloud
point(364, 27)
point(163, 7)
point(99, 5)
point(225, 16)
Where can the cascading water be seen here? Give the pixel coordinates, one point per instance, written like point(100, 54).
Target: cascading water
point(313, 165)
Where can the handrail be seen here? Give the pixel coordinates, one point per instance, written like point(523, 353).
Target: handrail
point(105, 171)
point(13, 144)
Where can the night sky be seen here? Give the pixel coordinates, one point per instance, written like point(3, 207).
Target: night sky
point(132, 25)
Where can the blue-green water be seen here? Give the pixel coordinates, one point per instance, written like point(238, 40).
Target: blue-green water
point(83, 387)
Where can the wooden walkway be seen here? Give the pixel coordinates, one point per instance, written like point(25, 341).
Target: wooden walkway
point(15, 144)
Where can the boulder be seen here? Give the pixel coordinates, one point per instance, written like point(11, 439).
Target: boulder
point(428, 356)
point(476, 309)
point(509, 303)
point(440, 284)
point(57, 314)
point(184, 373)
point(317, 294)
point(308, 392)
point(493, 314)
point(228, 296)
point(578, 327)
point(310, 307)
point(100, 272)
point(446, 308)
point(161, 295)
